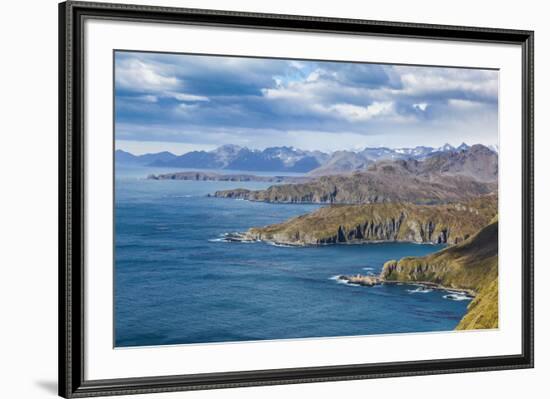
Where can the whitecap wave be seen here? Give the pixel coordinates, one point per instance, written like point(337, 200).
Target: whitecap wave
point(219, 239)
point(280, 245)
point(341, 281)
point(232, 237)
point(457, 297)
point(420, 290)
point(368, 268)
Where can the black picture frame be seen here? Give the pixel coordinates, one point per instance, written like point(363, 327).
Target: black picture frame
point(72, 383)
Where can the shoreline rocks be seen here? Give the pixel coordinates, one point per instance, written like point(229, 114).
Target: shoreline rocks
point(372, 280)
point(360, 279)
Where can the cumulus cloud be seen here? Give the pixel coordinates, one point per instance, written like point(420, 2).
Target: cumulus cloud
point(449, 82)
point(246, 97)
point(185, 96)
point(355, 113)
point(463, 104)
point(133, 74)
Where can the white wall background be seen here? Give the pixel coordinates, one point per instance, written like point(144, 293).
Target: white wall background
point(28, 202)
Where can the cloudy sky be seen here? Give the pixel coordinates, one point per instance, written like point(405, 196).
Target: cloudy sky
point(179, 103)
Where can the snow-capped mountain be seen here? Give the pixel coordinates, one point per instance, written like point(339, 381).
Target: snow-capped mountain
point(416, 152)
point(445, 148)
point(285, 159)
point(226, 153)
point(347, 162)
point(463, 147)
point(272, 159)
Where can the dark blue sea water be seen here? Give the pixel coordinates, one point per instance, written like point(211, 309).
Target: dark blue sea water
point(177, 282)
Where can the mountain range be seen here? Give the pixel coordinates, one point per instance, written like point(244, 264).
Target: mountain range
point(290, 159)
point(272, 159)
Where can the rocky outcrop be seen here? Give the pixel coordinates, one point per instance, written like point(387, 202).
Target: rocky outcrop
point(359, 279)
point(400, 222)
point(238, 193)
point(371, 281)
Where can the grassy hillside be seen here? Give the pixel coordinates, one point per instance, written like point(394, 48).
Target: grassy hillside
point(451, 223)
point(471, 265)
point(483, 310)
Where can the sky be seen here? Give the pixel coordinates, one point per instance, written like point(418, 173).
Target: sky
point(182, 102)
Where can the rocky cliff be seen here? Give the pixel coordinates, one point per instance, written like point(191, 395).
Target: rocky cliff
point(386, 183)
point(340, 224)
point(471, 265)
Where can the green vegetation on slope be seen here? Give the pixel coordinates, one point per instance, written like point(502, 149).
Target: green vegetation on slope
point(483, 310)
point(471, 265)
point(451, 223)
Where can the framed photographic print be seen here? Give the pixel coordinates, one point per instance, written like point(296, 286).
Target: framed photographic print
point(253, 199)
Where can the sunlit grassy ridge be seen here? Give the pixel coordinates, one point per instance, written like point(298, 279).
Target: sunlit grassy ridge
point(471, 265)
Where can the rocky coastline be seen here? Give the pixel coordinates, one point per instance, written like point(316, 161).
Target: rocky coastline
point(372, 223)
point(470, 267)
point(372, 280)
point(212, 176)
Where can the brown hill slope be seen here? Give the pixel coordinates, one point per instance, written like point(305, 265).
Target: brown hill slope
point(386, 183)
point(477, 162)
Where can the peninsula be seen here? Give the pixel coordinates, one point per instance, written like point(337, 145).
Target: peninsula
point(471, 266)
point(396, 222)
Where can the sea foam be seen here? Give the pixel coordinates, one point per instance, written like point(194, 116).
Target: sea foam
point(341, 281)
point(420, 290)
point(457, 297)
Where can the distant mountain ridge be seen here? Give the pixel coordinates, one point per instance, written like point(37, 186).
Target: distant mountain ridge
point(272, 159)
point(287, 159)
point(342, 162)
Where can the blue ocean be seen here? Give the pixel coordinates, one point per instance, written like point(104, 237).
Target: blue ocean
point(178, 282)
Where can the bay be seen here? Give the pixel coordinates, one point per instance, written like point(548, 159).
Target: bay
point(178, 282)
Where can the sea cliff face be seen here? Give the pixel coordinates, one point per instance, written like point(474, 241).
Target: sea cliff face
point(349, 224)
point(471, 266)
